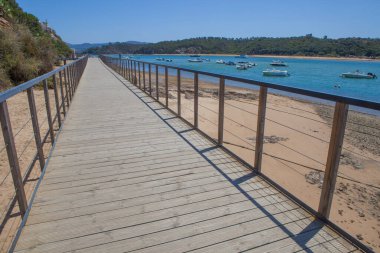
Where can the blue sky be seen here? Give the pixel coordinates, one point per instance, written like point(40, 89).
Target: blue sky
point(78, 21)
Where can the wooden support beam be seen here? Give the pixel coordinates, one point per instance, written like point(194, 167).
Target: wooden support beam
point(62, 93)
point(260, 127)
point(150, 79)
point(12, 157)
point(179, 92)
point(157, 93)
point(221, 111)
point(36, 127)
point(196, 96)
point(333, 158)
point(56, 98)
point(166, 88)
point(143, 66)
point(48, 111)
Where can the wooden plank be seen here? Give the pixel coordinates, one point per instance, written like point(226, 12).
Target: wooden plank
point(333, 158)
point(14, 166)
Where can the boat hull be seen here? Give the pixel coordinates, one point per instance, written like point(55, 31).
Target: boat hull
point(356, 76)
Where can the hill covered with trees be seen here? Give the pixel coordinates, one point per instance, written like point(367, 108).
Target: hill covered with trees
point(28, 48)
point(302, 46)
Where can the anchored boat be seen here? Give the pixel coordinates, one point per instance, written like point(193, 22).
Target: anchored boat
point(359, 75)
point(195, 55)
point(279, 64)
point(220, 62)
point(275, 72)
point(242, 67)
point(242, 56)
point(230, 63)
point(194, 60)
point(160, 59)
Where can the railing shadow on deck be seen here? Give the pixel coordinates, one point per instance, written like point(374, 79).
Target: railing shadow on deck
point(191, 136)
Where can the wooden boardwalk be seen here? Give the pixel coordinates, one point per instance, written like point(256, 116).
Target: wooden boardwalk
point(126, 175)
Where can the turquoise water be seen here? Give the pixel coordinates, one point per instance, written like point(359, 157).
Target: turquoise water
point(310, 74)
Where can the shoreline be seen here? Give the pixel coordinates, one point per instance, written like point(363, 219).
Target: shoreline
point(289, 56)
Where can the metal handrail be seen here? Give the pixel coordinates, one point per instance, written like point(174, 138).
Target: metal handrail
point(24, 86)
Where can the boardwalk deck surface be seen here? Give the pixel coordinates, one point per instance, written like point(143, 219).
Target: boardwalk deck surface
point(127, 176)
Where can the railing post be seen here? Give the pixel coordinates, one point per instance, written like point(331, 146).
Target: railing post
point(67, 87)
point(179, 92)
point(143, 65)
point(196, 95)
point(12, 157)
point(333, 157)
point(135, 75)
point(221, 111)
point(48, 111)
point(62, 94)
point(166, 88)
point(150, 79)
point(130, 70)
point(57, 101)
point(157, 93)
point(138, 65)
point(36, 127)
point(260, 127)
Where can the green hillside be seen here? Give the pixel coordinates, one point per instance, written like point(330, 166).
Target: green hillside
point(28, 48)
point(304, 45)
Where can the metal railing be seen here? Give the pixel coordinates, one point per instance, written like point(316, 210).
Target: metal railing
point(64, 82)
point(135, 72)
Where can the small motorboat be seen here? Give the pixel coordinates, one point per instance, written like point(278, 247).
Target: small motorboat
point(160, 59)
point(169, 60)
point(279, 64)
point(205, 59)
point(359, 75)
point(251, 64)
point(195, 55)
point(275, 72)
point(242, 56)
point(230, 63)
point(241, 67)
point(220, 62)
point(194, 60)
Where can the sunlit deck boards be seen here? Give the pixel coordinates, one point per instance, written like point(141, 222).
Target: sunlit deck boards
point(126, 175)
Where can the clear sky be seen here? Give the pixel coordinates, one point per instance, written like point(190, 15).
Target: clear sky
point(78, 21)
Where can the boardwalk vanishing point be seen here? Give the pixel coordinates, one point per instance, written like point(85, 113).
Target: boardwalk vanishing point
point(127, 175)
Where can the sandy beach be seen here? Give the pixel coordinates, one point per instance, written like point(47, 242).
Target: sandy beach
point(295, 151)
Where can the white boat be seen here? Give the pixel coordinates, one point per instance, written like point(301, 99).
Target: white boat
point(275, 72)
point(220, 62)
point(242, 66)
point(359, 75)
point(230, 63)
point(279, 64)
point(194, 60)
